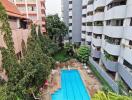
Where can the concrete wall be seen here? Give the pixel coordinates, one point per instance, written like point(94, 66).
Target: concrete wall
point(109, 80)
point(76, 20)
point(65, 11)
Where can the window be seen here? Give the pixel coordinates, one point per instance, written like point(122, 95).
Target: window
point(131, 22)
point(115, 41)
point(89, 13)
point(89, 23)
point(126, 63)
point(70, 17)
point(42, 11)
point(89, 33)
point(130, 42)
point(119, 22)
point(108, 22)
point(98, 23)
point(83, 39)
point(31, 8)
point(43, 18)
point(70, 9)
point(70, 31)
point(84, 7)
point(84, 24)
point(89, 43)
point(83, 32)
point(84, 15)
point(70, 24)
point(70, 2)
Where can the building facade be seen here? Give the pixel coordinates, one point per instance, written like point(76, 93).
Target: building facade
point(84, 22)
point(72, 14)
point(106, 28)
point(20, 27)
point(65, 11)
point(34, 10)
point(109, 23)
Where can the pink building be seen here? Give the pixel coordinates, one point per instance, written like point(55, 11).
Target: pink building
point(20, 30)
point(34, 10)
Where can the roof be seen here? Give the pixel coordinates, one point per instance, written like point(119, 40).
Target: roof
point(11, 9)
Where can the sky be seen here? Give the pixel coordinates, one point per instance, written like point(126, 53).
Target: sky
point(53, 7)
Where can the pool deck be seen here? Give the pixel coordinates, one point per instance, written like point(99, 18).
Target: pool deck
point(91, 83)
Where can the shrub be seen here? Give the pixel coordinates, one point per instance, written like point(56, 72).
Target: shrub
point(100, 95)
point(83, 54)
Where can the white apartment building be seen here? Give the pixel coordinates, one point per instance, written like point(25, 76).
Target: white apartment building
point(74, 15)
point(109, 22)
point(84, 13)
point(106, 27)
point(33, 9)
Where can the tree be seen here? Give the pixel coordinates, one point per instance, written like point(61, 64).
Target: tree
point(48, 46)
point(24, 78)
point(56, 29)
point(83, 54)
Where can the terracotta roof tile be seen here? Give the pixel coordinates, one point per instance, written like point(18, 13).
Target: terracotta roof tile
point(11, 9)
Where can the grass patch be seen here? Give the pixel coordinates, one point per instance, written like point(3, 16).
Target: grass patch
point(61, 56)
point(106, 86)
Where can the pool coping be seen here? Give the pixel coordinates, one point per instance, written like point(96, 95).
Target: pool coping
point(81, 78)
point(84, 83)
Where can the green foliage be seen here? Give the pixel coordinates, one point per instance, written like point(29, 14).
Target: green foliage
point(61, 56)
point(56, 29)
point(110, 57)
point(83, 54)
point(123, 90)
point(48, 46)
point(24, 78)
point(69, 49)
point(109, 96)
point(2, 92)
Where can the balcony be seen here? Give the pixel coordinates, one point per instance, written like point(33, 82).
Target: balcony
point(89, 18)
point(90, 8)
point(98, 29)
point(127, 54)
point(70, 6)
point(99, 3)
point(95, 53)
point(88, 38)
point(83, 28)
point(111, 48)
point(129, 8)
point(70, 34)
point(83, 36)
point(116, 12)
point(128, 33)
point(89, 28)
point(108, 1)
point(96, 41)
point(84, 11)
point(70, 27)
point(31, 1)
point(109, 80)
point(126, 74)
point(70, 20)
point(109, 65)
point(83, 20)
point(113, 31)
point(70, 13)
point(99, 16)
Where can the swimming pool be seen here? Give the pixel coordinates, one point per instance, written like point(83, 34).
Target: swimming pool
point(72, 87)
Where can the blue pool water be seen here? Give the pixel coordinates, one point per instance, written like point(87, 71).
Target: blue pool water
point(72, 87)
